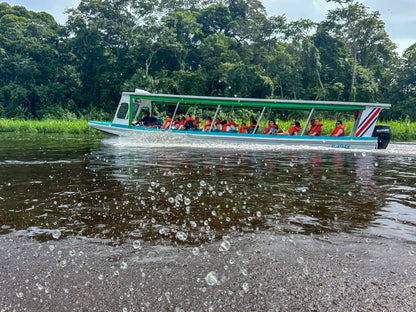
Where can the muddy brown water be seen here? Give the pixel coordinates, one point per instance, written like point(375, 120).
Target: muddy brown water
point(91, 224)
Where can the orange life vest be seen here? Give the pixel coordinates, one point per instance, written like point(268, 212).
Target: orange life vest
point(293, 129)
point(165, 125)
point(314, 128)
point(244, 129)
point(207, 126)
point(341, 127)
point(268, 129)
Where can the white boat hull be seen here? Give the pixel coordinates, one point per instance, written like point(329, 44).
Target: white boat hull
point(367, 143)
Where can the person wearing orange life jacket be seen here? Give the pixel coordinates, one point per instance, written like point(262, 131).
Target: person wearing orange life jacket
point(294, 129)
point(252, 127)
point(208, 123)
point(181, 125)
point(197, 123)
point(229, 125)
point(167, 123)
point(272, 128)
point(339, 129)
point(189, 123)
point(316, 128)
point(175, 124)
point(217, 125)
point(244, 128)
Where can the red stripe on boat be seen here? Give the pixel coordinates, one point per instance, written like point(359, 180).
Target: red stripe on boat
point(375, 114)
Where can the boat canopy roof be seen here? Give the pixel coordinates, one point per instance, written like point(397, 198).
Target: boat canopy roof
point(209, 101)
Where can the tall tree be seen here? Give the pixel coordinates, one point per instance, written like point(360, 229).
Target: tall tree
point(366, 39)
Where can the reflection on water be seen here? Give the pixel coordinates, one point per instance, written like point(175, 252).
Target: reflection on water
point(171, 193)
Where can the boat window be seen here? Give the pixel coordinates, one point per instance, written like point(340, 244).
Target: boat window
point(122, 111)
point(136, 105)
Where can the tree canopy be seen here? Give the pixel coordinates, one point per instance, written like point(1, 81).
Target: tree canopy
point(210, 47)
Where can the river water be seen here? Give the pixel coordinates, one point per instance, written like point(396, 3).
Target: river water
point(127, 225)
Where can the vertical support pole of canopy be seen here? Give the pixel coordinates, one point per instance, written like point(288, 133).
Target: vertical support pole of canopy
point(258, 121)
point(215, 116)
point(173, 116)
point(268, 118)
point(307, 121)
point(131, 111)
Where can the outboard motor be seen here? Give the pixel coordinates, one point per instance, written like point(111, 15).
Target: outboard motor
point(383, 134)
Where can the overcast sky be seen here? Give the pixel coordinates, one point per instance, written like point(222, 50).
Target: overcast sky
point(399, 15)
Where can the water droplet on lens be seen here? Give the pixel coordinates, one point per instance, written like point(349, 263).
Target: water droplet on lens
point(300, 260)
point(195, 251)
point(225, 245)
point(181, 236)
point(211, 278)
point(137, 244)
point(56, 234)
point(245, 287)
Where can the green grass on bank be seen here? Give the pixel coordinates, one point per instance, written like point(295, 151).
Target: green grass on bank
point(46, 126)
point(402, 130)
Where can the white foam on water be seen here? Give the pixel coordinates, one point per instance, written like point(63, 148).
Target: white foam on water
point(170, 140)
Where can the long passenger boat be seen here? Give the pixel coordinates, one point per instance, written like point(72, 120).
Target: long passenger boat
point(363, 135)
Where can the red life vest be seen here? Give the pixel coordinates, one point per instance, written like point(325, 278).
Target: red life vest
point(165, 125)
point(314, 128)
point(244, 129)
point(196, 124)
point(341, 127)
point(293, 129)
point(234, 124)
point(207, 126)
point(268, 129)
point(180, 125)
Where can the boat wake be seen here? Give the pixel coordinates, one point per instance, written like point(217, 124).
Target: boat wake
point(172, 140)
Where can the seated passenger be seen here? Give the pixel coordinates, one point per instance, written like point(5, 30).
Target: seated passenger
point(252, 128)
point(316, 128)
point(189, 123)
point(181, 125)
point(175, 124)
point(146, 119)
point(197, 123)
point(294, 129)
point(218, 124)
point(224, 126)
point(339, 129)
point(244, 128)
point(167, 123)
point(233, 127)
point(272, 128)
point(208, 123)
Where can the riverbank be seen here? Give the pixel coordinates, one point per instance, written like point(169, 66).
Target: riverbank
point(402, 130)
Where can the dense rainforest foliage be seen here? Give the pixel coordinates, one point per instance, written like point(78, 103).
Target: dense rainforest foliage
point(208, 47)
